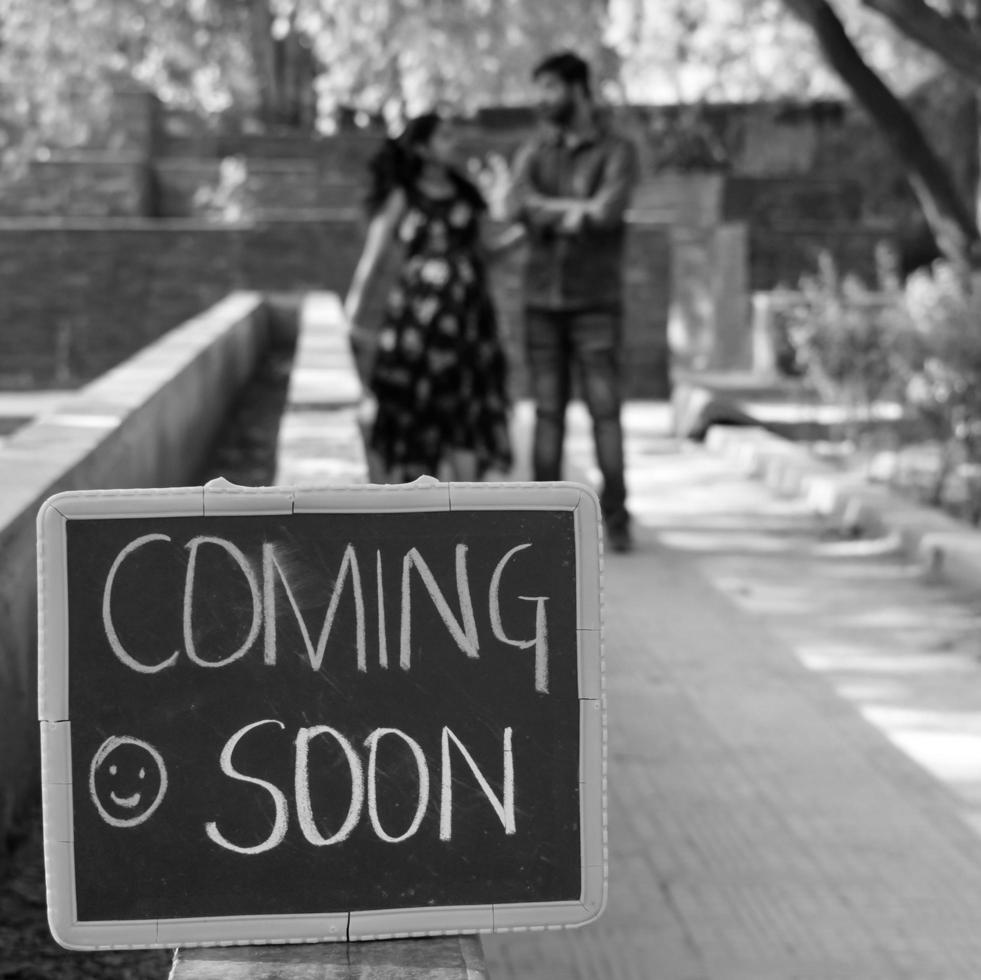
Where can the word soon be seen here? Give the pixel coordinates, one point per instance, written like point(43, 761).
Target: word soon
point(262, 585)
point(364, 787)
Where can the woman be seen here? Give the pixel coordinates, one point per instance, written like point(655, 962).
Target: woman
point(438, 377)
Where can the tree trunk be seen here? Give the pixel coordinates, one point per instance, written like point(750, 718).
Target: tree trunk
point(285, 71)
point(262, 47)
point(977, 158)
point(949, 217)
point(295, 75)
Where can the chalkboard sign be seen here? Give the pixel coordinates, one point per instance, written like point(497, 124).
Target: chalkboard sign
point(279, 714)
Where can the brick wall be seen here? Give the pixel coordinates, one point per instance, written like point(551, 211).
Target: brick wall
point(761, 138)
point(779, 256)
point(76, 298)
point(270, 188)
point(647, 298)
point(766, 201)
point(81, 184)
point(681, 200)
point(346, 154)
point(709, 300)
point(178, 185)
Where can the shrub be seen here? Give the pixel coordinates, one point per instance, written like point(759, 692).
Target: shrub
point(857, 346)
point(226, 201)
point(945, 391)
point(918, 346)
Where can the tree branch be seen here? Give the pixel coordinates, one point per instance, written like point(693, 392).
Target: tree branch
point(948, 216)
point(946, 35)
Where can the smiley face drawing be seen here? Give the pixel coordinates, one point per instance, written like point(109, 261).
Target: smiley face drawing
point(127, 780)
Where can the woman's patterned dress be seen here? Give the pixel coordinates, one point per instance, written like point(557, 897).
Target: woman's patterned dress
point(439, 376)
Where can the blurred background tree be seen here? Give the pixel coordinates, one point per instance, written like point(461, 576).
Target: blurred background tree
point(692, 51)
point(275, 63)
point(60, 60)
point(397, 56)
point(303, 64)
point(875, 52)
point(294, 63)
point(950, 216)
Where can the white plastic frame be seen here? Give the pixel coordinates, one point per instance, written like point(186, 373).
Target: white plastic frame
point(222, 498)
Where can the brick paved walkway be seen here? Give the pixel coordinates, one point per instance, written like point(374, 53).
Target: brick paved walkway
point(760, 827)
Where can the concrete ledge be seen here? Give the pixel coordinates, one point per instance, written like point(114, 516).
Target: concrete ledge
point(703, 399)
point(149, 422)
point(319, 436)
point(786, 407)
point(442, 958)
point(941, 545)
point(17, 408)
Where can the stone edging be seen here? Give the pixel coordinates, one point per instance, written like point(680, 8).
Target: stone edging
point(148, 422)
point(944, 547)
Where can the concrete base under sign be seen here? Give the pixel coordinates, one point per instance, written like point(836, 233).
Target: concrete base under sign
point(438, 958)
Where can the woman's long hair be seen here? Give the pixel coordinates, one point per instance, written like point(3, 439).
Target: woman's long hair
point(399, 162)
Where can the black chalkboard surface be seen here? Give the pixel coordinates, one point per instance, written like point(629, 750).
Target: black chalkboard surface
point(274, 714)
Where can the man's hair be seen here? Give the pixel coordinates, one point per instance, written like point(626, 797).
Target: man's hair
point(567, 66)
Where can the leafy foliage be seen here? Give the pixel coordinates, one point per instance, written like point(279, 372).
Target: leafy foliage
point(737, 50)
point(946, 391)
point(292, 62)
point(274, 62)
point(916, 346)
point(393, 56)
point(61, 59)
point(856, 345)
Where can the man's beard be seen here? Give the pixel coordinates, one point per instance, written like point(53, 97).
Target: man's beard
point(561, 114)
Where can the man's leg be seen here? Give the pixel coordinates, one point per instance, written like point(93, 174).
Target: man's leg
point(596, 342)
point(546, 339)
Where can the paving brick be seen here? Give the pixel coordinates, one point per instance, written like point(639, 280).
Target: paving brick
point(762, 825)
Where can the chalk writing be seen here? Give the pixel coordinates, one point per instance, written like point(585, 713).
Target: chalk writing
point(364, 785)
point(422, 771)
point(280, 805)
point(270, 580)
point(107, 620)
point(264, 706)
point(540, 641)
point(349, 567)
point(250, 577)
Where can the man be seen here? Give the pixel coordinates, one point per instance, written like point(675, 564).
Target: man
point(572, 183)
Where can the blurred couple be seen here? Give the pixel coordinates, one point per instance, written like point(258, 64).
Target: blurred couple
point(435, 366)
